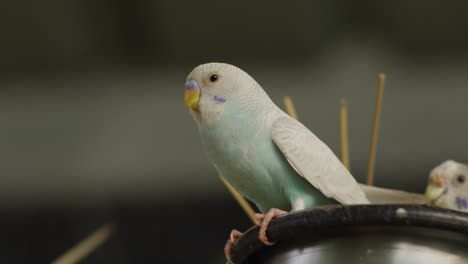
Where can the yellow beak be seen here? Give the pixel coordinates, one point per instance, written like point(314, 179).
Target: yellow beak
point(435, 189)
point(192, 95)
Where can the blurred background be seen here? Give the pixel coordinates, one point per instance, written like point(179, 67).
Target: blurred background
point(93, 128)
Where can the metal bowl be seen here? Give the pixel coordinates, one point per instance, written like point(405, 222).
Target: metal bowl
point(363, 234)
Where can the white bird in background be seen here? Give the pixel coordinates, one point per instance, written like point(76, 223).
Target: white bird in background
point(448, 187)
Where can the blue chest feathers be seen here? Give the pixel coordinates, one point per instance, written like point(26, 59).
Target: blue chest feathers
point(248, 158)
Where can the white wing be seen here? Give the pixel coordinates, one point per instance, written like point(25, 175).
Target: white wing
point(313, 160)
point(378, 195)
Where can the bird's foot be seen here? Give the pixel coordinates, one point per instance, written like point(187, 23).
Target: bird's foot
point(264, 221)
point(259, 218)
point(233, 237)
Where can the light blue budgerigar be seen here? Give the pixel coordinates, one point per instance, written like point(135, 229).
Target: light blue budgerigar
point(269, 157)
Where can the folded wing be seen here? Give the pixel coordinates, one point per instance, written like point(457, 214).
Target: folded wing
point(314, 160)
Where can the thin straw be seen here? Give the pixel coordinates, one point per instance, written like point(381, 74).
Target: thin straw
point(375, 131)
point(240, 200)
point(288, 103)
point(344, 134)
point(86, 246)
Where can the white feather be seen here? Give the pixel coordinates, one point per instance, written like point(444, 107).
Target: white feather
point(378, 195)
point(313, 160)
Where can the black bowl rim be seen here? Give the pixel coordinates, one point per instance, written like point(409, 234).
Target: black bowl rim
point(294, 223)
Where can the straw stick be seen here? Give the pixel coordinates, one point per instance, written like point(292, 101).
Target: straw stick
point(86, 246)
point(240, 200)
point(375, 131)
point(290, 107)
point(344, 134)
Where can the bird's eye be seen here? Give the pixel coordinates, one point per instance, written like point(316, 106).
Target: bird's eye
point(214, 78)
point(461, 178)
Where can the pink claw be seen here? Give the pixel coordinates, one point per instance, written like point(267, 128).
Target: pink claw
point(272, 214)
point(233, 237)
point(259, 217)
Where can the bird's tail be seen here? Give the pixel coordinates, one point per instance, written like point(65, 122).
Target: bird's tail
point(378, 195)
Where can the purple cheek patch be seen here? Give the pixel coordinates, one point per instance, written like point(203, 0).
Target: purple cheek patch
point(461, 202)
point(218, 99)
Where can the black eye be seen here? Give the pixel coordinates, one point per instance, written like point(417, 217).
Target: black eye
point(214, 78)
point(461, 178)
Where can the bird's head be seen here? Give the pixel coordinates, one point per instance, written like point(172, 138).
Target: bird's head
point(448, 186)
point(211, 87)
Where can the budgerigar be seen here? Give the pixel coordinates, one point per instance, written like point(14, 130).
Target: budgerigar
point(269, 157)
point(448, 186)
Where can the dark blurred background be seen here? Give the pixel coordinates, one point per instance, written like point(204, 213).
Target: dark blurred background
point(93, 129)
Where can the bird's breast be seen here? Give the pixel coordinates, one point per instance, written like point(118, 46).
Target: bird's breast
point(246, 156)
